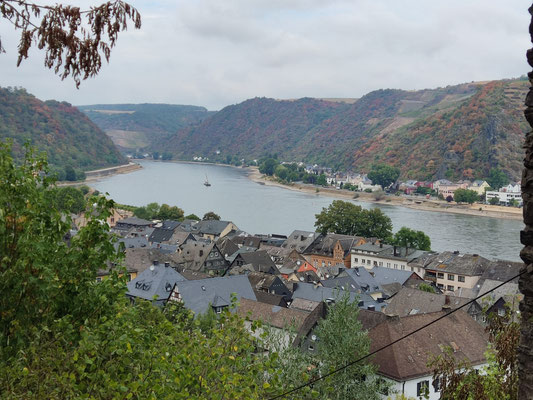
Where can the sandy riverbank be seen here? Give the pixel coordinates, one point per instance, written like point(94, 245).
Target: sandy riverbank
point(481, 210)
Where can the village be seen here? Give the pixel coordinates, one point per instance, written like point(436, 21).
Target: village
point(288, 283)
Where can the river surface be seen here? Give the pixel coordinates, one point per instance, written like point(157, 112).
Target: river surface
point(257, 208)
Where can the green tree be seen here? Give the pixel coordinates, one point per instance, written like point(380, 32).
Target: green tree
point(383, 174)
point(426, 288)
point(341, 339)
point(347, 218)
point(167, 212)
point(410, 238)
point(68, 199)
point(70, 174)
point(321, 180)
point(268, 166)
point(465, 196)
point(193, 217)
point(281, 172)
point(155, 155)
point(513, 203)
point(494, 201)
point(211, 216)
point(497, 178)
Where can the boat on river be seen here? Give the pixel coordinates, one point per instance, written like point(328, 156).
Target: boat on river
point(206, 183)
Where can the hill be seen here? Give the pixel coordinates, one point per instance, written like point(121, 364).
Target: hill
point(136, 126)
point(57, 128)
point(455, 132)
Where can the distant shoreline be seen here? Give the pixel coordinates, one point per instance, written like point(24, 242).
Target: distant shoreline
point(252, 173)
point(478, 210)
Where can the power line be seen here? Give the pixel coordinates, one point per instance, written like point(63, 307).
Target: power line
point(312, 381)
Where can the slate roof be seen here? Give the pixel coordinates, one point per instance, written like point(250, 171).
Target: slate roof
point(455, 262)
point(199, 294)
point(270, 298)
point(210, 227)
point(501, 270)
point(260, 280)
point(319, 312)
point(304, 304)
point(385, 276)
point(227, 246)
point(410, 301)
point(133, 242)
point(317, 293)
point(170, 224)
point(324, 244)
point(157, 280)
point(279, 317)
point(299, 240)
point(408, 359)
point(370, 319)
point(509, 292)
point(248, 241)
point(160, 235)
point(257, 259)
point(134, 221)
point(139, 259)
point(373, 248)
point(357, 280)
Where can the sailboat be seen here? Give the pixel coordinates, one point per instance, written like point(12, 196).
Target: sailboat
point(206, 183)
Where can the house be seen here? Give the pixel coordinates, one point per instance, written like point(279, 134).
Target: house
point(115, 216)
point(357, 280)
point(283, 323)
point(371, 255)
point(506, 195)
point(299, 241)
point(227, 246)
point(405, 364)
point(212, 293)
point(213, 229)
point(270, 298)
point(392, 280)
point(410, 301)
point(268, 283)
point(316, 293)
point(132, 222)
point(259, 260)
point(331, 249)
point(456, 272)
point(201, 256)
point(479, 186)
point(154, 283)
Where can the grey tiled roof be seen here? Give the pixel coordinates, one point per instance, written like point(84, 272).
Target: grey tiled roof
point(211, 227)
point(385, 276)
point(156, 281)
point(464, 264)
point(198, 295)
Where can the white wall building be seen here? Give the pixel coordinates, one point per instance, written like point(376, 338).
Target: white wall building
point(506, 194)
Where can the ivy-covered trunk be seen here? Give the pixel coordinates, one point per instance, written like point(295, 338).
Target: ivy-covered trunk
point(525, 351)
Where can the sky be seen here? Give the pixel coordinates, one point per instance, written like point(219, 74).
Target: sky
point(215, 53)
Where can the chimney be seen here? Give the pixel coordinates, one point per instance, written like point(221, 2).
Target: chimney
point(393, 317)
point(380, 245)
point(446, 307)
point(156, 262)
point(372, 308)
point(395, 252)
point(167, 264)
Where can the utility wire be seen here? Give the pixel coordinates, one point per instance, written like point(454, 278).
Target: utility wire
point(312, 381)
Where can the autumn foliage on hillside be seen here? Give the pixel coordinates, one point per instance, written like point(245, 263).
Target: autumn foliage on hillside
point(66, 135)
point(454, 132)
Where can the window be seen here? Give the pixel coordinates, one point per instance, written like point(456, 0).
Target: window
point(451, 277)
point(403, 267)
point(388, 265)
point(355, 260)
point(450, 288)
point(381, 263)
point(362, 261)
point(460, 278)
point(412, 269)
point(436, 385)
point(375, 263)
point(422, 388)
point(440, 275)
point(395, 266)
point(440, 285)
point(98, 279)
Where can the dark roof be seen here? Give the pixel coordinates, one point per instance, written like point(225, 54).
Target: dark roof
point(324, 244)
point(210, 227)
point(257, 258)
point(261, 280)
point(385, 276)
point(170, 224)
point(134, 221)
point(279, 317)
point(160, 235)
point(371, 247)
point(311, 321)
point(299, 240)
point(133, 242)
point(410, 301)
point(156, 281)
point(408, 359)
point(501, 270)
point(370, 319)
point(227, 246)
point(357, 280)
point(199, 294)
point(194, 275)
point(249, 241)
point(270, 298)
point(457, 263)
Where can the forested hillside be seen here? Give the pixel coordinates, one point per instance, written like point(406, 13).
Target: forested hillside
point(136, 126)
point(455, 132)
point(67, 136)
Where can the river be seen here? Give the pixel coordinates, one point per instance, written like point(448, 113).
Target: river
point(257, 208)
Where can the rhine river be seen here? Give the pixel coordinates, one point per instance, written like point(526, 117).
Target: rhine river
point(257, 208)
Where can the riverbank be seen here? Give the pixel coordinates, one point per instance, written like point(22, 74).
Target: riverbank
point(120, 169)
point(481, 210)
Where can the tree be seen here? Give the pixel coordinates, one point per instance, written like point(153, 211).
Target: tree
point(64, 335)
point(268, 166)
point(68, 199)
point(70, 174)
point(425, 287)
point(167, 212)
point(347, 218)
point(341, 339)
point(211, 216)
point(498, 380)
point(494, 201)
point(74, 40)
point(409, 238)
point(465, 196)
point(321, 180)
point(383, 174)
point(193, 217)
point(497, 178)
point(449, 198)
point(281, 172)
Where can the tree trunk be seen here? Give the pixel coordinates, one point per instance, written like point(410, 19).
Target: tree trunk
point(525, 351)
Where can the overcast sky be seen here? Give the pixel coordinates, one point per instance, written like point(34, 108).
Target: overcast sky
point(214, 53)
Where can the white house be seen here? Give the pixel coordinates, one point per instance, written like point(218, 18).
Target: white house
point(506, 194)
point(405, 364)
